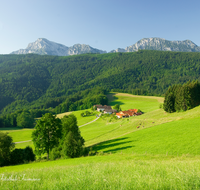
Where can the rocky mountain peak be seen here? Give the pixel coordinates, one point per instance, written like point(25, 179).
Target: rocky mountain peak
point(43, 46)
point(162, 45)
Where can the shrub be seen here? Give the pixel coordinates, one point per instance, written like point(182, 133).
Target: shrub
point(55, 153)
point(117, 107)
point(87, 113)
point(6, 146)
point(139, 111)
point(17, 156)
point(20, 156)
point(28, 154)
point(92, 152)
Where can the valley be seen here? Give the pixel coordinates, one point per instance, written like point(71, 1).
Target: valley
point(162, 154)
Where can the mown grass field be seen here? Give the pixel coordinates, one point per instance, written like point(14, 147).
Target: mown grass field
point(164, 153)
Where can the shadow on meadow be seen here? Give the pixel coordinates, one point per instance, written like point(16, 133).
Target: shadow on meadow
point(113, 100)
point(113, 145)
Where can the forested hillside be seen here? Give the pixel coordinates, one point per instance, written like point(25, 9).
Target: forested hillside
point(33, 80)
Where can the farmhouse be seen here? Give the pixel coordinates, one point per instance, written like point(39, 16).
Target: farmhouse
point(128, 113)
point(110, 111)
point(121, 114)
point(102, 108)
point(105, 109)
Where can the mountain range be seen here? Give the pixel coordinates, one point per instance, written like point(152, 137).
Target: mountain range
point(43, 46)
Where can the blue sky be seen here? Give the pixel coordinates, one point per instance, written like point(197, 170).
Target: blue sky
point(102, 24)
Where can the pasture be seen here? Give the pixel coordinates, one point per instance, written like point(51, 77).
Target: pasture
point(163, 153)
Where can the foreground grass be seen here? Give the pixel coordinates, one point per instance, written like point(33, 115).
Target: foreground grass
point(106, 172)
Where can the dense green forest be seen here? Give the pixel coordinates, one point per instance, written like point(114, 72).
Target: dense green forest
point(36, 82)
point(182, 97)
point(78, 101)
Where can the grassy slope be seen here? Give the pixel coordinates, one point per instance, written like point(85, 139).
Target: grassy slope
point(103, 130)
point(81, 120)
point(159, 132)
point(25, 134)
point(144, 158)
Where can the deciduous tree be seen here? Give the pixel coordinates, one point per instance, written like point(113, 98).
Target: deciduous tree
point(46, 134)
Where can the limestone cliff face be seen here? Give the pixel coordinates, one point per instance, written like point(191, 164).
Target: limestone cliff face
point(162, 45)
point(45, 47)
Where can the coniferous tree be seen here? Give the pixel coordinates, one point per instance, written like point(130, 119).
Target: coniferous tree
point(182, 97)
point(169, 101)
point(72, 141)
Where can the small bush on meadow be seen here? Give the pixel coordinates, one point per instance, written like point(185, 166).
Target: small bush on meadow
point(17, 156)
point(20, 156)
point(28, 154)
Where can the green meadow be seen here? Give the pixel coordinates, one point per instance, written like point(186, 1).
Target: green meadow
point(20, 135)
point(163, 153)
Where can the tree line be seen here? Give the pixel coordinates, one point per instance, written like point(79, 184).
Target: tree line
point(25, 118)
point(182, 97)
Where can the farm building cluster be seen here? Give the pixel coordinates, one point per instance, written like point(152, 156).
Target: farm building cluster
point(120, 114)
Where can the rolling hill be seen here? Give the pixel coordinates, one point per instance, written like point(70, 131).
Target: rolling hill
point(30, 81)
point(166, 133)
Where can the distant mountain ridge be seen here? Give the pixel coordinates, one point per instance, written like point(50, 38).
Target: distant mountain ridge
point(43, 46)
point(162, 45)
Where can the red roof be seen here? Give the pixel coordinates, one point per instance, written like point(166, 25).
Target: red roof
point(133, 110)
point(129, 112)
